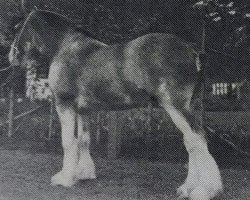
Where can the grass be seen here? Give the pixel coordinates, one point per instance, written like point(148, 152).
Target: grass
point(26, 176)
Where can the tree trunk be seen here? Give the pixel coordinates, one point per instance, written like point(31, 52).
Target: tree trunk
point(114, 137)
point(11, 112)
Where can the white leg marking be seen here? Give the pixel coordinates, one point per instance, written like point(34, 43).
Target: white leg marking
point(85, 167)
point(66, 176)
point(203, 181)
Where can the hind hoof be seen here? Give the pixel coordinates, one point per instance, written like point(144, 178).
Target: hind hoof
point(85, 173)
point(197, 193)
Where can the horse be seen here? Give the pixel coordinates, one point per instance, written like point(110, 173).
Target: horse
point(87, 75)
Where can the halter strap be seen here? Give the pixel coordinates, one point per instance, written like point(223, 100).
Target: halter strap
point(22, 30)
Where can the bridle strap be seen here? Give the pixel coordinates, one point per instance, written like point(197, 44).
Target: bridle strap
point(18, 37)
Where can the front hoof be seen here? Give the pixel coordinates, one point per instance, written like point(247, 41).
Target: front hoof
point(63, 179)
point(199, 193)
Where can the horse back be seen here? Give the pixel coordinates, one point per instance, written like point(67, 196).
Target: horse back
point(159, 55)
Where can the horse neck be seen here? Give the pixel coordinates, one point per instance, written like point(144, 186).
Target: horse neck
point(74, 40)
point(51, 42)
point(46, 36)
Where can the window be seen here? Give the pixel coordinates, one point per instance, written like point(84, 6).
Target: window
point(220, 88)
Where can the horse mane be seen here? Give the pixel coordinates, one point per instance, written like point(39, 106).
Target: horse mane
point(59, 21)
point(55, 20)
point(44, 20)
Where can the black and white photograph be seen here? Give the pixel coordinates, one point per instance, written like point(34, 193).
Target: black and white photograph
point(124, 99)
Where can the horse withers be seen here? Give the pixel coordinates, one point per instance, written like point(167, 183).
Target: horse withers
point(87, 75)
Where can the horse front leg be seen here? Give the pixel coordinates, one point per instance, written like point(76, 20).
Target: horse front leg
point(85, 168)
point(203, 181)
point(66, 177)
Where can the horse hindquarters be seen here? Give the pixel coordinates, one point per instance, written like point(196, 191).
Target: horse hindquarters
point(203, 181)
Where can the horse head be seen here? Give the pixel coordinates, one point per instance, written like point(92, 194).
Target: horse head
point(38, 37)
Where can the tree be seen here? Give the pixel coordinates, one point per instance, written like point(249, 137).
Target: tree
point(9, 15)
point(230, 21)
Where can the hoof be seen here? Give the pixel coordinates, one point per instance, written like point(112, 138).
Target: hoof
point(85, 173)
point(197, 193)
point(203, 181)
point(85, 169)
point(63, 179)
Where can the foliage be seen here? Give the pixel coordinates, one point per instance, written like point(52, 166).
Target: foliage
point(111, 21)
point(10, 15)
point(229, 18)
point(37, 88)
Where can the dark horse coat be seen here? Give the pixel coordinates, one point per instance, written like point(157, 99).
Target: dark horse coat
point(86, 75)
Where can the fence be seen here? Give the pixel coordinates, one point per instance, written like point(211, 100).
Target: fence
point(13, 117)
point(114, 125)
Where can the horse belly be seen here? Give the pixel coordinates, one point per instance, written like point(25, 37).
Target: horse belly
point(110, 96)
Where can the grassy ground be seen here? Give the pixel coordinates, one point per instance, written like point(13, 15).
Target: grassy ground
point(26, 167)
point(26, 176)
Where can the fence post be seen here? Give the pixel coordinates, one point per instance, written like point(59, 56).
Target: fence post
point(11, 111)
point(98, 127)
point(148, 129)
point(114, 135)
point(200, 115)
point(51, 119)
point(203, 68)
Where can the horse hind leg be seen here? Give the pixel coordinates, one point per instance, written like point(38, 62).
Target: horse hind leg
point(85, 168)
point(203, 181)
point(67, 118)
